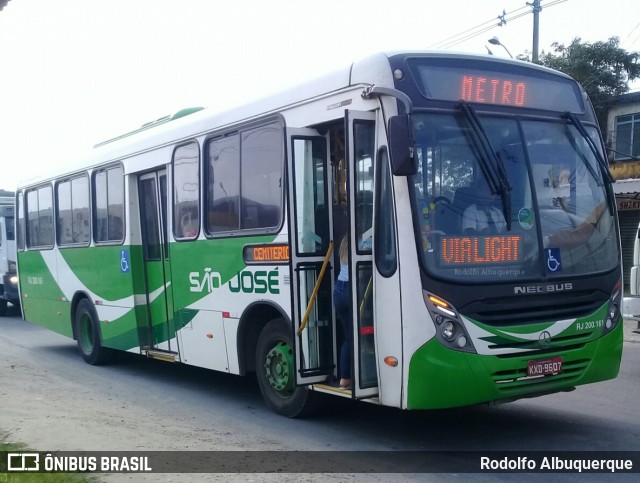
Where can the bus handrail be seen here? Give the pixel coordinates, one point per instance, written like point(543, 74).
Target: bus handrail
point(365, 299)
point(314, 294)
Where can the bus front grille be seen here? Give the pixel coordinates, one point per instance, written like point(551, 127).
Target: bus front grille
point(514, 310)
point(563, 342)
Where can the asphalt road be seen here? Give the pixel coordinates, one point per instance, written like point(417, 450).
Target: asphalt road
point(171, 406)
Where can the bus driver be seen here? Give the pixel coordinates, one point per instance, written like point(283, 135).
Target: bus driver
point(483, 217)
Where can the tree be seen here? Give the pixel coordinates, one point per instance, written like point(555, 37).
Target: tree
point(603, 68)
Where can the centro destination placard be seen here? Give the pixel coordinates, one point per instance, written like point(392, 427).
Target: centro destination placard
point(268, 253)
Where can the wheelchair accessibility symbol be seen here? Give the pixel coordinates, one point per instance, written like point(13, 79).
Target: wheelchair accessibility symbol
point(554, 263)
point(125, 266)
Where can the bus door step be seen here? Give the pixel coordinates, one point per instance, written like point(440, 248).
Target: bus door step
point(160, 355)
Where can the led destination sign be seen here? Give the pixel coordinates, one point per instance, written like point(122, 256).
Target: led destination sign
point(266, 254)
point(479, 250)
point(496, 83)
point(493, 90)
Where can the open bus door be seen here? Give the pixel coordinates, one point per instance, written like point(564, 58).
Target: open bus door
point(158, 336)
point(361, 147)
point(314, 238)
point(310, 222)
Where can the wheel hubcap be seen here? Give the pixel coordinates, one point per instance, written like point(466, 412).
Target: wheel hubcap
point(86, 333)
point(279, 368)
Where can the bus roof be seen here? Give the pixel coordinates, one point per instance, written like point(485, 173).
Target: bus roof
point(192, 122)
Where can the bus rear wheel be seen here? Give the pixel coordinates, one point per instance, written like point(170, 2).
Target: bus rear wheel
point(87, 332)
point(276, 372)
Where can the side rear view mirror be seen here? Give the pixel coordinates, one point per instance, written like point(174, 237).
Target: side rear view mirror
point(401, 146)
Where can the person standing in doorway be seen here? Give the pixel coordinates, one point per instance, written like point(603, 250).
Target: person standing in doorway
point(341, 300)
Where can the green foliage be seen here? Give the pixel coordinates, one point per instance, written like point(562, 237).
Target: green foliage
point(36, 477)
point(603, 68)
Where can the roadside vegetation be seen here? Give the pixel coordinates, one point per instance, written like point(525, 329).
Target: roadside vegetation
point(35, 477)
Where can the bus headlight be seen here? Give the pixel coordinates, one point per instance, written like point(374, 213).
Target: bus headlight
point(613, 312)
point(13, 280)
point(450, 329)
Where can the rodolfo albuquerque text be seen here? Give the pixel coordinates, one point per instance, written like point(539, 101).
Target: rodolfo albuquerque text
point(555, 463)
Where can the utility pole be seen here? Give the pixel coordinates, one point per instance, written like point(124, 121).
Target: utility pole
point(535, 7)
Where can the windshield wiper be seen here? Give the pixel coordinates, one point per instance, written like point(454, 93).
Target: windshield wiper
point(602, 163)
point(492, 164)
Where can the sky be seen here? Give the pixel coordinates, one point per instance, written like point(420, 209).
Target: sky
point(76, 72)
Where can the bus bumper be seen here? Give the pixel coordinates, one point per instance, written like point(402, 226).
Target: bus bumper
point(443, 378)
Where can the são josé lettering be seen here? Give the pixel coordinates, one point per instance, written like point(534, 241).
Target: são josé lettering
point(555, 463)
point(247, 281)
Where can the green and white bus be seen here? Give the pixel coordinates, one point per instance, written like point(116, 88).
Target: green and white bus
point(207, 238)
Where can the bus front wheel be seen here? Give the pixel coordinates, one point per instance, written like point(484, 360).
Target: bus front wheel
point(87, 332)
point(276, 372)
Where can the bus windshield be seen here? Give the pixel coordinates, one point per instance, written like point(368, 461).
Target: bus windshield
point(557, 222)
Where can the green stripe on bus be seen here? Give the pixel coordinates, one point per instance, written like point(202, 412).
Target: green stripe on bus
point(441, 378)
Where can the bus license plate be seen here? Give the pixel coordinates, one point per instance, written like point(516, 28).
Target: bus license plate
point(545, 367)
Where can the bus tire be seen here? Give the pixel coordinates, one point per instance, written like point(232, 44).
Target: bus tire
point(3, 307)
point(87, 331)
point(276, 372)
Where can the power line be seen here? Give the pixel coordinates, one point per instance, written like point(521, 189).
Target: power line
point(457, 41)
point(473, 31)
point(488, 25)
point(630, 33)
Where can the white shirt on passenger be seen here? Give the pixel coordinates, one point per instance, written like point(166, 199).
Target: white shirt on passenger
point(475, 217)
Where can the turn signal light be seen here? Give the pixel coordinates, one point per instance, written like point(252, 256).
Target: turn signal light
point(439, 302)
point(391, 361)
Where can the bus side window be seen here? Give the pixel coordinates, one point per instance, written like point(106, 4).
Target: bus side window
point(223, 180)
point(364, 134)
point(186, 191)
point(244, 180)
point(108, 204)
